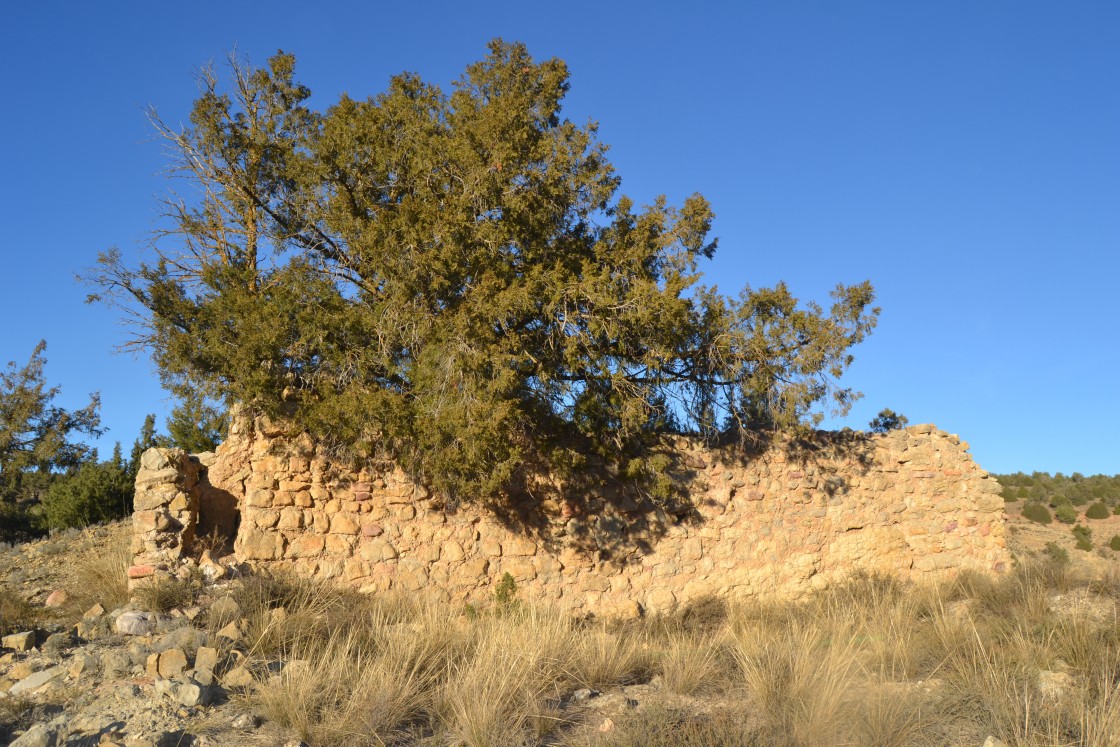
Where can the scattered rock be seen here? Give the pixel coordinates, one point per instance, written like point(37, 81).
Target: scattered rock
point(172, 662)
point(82, 663)
point(994, 742)
point(584, 694)
point(34, 681)
point(607, 726)
point(57, 643)
point(19, 641)
point(94, 612)
point(245, 722)
point(39, 735)
point(135, 623)
point(225, 609)
point(57, 598)
point(238, 677)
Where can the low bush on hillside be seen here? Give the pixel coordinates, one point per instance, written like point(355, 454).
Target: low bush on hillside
point(1115, 542)
point(1097, 511)
point(1037, 512)
point(1056, 552)
point(1066, 514)
point(1084, 536)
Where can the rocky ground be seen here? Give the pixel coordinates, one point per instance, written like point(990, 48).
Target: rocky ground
point(82, 664)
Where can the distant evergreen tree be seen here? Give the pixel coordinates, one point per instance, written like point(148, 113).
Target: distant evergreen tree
point(196, 424)
point(887, 420)
point(95, 492)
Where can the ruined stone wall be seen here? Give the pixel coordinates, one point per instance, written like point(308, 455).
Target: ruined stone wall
point(780, 522)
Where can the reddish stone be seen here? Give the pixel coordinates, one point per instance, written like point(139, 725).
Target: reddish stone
point(796, 475)
point(951, 526)
point(985, 530)
point(362, 496)
point(361, 487)
point(755, 495)
point(568, 510)
point(953, 472)
point(926, 474)
point(57, 598)
point(140, 571)
point(372, 530)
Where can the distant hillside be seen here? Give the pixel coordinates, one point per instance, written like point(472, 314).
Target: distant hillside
point(1075, 489)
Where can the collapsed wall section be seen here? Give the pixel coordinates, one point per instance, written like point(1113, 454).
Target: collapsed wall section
point(782, 522)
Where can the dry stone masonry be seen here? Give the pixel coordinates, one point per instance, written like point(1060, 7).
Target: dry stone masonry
point(777, 523)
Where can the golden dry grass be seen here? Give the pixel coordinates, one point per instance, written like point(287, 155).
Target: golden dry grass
point(870, 662)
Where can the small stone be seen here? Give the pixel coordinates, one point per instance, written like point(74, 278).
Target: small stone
point(135, 623)
point(172, 662)
point(57, 643)
point(57, 598)
point(115, 663)
point(140, 571)
point(994, 742)
point(245, 722)
point(607, 726)
point(225, 608)
point(192, 694)
point(206, 664)
point(584, 694)
point(231, 631)
point(80, 664)
point(39, 735)
point(19, 641)
point(35, 681)
point(94, 612)
point(238, 677)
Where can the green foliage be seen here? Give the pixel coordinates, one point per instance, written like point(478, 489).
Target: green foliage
point(1056, 552)
point(1097, 511)
point(35, 434)
point(887, 420)
point(1066, 514)
point(505, 593)
point(146, 440)
point(1075, 490)
point(1114, 543)
point(1037, 513)
point(453, 279)
point(196, 424)
point(96, 492)
point(1084, 537)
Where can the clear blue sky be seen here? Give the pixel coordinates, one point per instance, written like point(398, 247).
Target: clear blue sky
point(963, 156)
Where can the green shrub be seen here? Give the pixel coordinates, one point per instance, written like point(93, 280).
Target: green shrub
point(1078, 500)
point(1115, 543)
point(1056, 552)
point(1060, 500)
point(96, 493)
point(1084, 537)
point(1037, 513)
point(1066, 514)
point(1117, 509)
point(1097, 511)
point(505, 593)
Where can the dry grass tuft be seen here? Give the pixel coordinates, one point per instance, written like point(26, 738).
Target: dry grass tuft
point(101, 577)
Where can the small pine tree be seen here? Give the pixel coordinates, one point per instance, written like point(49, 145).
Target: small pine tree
point(1084, 537)
point(887, 420)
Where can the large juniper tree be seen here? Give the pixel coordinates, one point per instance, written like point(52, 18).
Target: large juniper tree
point(454, 278)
